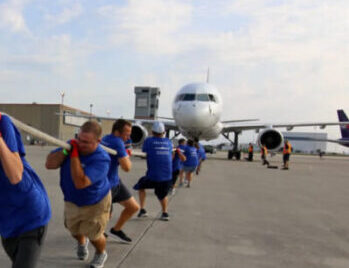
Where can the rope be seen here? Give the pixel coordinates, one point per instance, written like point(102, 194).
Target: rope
point(45, 137)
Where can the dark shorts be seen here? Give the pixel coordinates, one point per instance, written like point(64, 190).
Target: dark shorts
point(120, 193)
point(286, 157)
point(189, 168)
point(24, 250)
point(161, 187)
point(175, 177)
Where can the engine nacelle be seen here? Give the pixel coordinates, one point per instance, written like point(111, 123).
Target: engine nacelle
point(138, 134)
point(271, 138)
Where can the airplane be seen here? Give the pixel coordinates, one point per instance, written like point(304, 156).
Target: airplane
point(344, 140)
point(197, 110)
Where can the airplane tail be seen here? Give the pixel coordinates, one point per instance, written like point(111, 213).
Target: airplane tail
point(342, 117)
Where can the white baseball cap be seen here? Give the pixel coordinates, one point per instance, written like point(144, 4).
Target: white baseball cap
point(158, 127)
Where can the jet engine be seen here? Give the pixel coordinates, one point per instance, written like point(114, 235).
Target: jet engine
point(271, 138)
point(139, 133)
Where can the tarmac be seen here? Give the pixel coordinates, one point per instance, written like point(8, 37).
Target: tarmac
point(236, 214)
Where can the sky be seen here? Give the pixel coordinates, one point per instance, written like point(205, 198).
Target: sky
point(276, 60)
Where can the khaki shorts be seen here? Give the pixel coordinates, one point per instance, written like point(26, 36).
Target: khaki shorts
point(89, 221)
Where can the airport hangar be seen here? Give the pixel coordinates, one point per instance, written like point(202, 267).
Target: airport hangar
point(303, 146)
point(57, 120)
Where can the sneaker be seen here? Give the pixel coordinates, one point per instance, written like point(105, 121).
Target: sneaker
point(82, 251)
point(165, 216)
point(142, 213)
point(119, 236)
point(99, 260)
point(172, 191)
point(181, 184)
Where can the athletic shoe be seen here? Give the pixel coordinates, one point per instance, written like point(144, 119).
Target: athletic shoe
point(142, 213)
point(180, 184)
point(165, 216)
point(99, 260)
point(172, 191)
point(82, 251)
point(119, 236)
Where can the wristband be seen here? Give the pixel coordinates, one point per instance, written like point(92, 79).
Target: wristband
point(65, 152)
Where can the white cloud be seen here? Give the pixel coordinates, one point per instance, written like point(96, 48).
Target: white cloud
point(149, 25)
point(66, 15)
point(11, 16)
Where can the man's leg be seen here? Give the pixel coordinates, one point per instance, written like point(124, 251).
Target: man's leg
point(181, 175)
point(198, 168)
point(25, 250)
point(188, 176)
point(163, 203)
point(99, 244)
point(130, 207)
point(142, 196)
point(80, 238)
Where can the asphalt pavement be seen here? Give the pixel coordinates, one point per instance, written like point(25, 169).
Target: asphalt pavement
point(236, 214)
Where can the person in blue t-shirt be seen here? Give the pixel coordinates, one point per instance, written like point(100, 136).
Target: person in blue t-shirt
point(178, 158)
point(201, 155)
point(24, 206)
point(86, 189)
point(159, 172)
point(120, 135)
point(191, 163)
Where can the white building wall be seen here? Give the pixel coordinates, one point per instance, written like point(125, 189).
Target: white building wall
point(307, 146)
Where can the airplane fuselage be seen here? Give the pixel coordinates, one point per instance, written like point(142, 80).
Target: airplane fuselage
point(197, 110)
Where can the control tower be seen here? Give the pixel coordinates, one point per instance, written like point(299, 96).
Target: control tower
point(147, 102)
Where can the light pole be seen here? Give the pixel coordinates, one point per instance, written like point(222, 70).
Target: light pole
point(91, 105)
point(62, 96)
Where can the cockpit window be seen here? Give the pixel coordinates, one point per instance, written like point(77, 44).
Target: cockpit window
point(198, 97)
point(202, 97)
point(188, 97)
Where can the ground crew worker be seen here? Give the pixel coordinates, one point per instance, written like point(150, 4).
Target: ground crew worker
point(86, 189)
point(264, 153)
point(250, 152)
point(159, 173)
point(118, 140)
point(24, 206)
point(286, 154)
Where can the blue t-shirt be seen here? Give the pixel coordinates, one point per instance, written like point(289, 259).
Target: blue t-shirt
point(96, 167)
point(118, 145)
point(201, 152)
point(24, 206)
point(176, 162)
point(159, 158)
point(191, 154)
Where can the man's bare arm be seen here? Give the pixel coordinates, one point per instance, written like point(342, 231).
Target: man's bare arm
point(125, 163)
point(80, 180)
point(54, 160)
point(11, 163)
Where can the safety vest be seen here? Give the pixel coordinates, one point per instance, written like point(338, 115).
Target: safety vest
point(250, 149)
point(287, 148)
point(264, 150)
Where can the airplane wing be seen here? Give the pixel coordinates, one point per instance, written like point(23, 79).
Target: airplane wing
point(288, 126)
point(168, 122)
point(341, 142)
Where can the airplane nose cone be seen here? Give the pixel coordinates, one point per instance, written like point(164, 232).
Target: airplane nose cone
point(194, 116)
